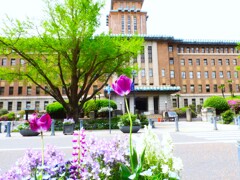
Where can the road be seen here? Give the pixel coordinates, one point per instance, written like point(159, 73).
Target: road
point(207, 154)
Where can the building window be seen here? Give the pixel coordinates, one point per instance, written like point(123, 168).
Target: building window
point(221, 50)
point(192, 50)
point(213, 62)
point(226, 50)
point(28, 105)
point(234, 62)
point(10, 90)
point(232, 50)
point(142, 55)
point(174, 101)
point(199, 75)
point(95, 88)
point(236, 74)
point(201, 101)
point(203, 50)
point(13, 62)
point(191, 75)
point(183, 62)
point(220, 62)
point(199, 88)
point(206, 74)
point(190, 62)
point(229, 74)
point(237, 87)
point(227, 62)
point(170, 48)
point(10, 104)
point(129, 24)
point(205, 62)
point(4, 61)
point(19, 106)
point(221, 74)
point(1, 105)
point(207, 50)
point(63, 91)
point(183, 75)
point(207, 88)
point(150, 54)
point(182, 49)
point(150, 72)
point(20, 90)
point(29, 90)
point(217, 50)
point(143, 72)
point(188, 50)
point(197, 50)
point(37, 90)
point(212, 50)
point(185, 101)
point(135, 23)
point(198, 62)
point(171, 61)
point(214, 74)
point(192, 89)
point(22, 61)
point(163, 72)
point(37, 105)
point(172, 74)
point(194, 102)
point(184, 88)
point(215, 88)
point(1, 90)
point(45, 104)
point(123, 24)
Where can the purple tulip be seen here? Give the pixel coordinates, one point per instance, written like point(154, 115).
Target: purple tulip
point(40, 124)
point(122, 85)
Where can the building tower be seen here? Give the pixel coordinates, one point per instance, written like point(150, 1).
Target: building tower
point(126, 17)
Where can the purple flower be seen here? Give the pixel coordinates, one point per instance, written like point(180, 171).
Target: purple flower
point(122, 85)
point(40, 124)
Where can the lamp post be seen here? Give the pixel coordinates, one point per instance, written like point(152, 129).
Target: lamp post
point(166, 106)
point(109, 110)
point(133, 89)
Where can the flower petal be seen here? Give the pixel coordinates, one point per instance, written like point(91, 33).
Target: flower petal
point(122, 85)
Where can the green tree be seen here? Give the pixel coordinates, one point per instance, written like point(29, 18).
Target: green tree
point(222, 88)
point(230, 87)
point(63, 53)
point(217, 102)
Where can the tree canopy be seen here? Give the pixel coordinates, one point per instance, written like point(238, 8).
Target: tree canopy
point(63, 53)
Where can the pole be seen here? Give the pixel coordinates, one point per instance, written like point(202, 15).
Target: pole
point(176, 123)
point(8, 129)
point(215, 123)
point(52, 128)
point(109, 110)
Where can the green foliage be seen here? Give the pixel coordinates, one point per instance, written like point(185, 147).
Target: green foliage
point(56, 110)
point(181, 112)
point(66, 54)
point(3, 111)
point(8, 117)
point(125, 121)
point(23, 126)
point(95, 105)
point(227, 116)
point(217, 102)
point(193, 110)
point(143, 119)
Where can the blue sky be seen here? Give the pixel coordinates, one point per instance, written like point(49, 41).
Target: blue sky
point(186, 19)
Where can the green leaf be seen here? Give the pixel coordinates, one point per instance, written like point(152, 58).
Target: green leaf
point(125, 172)
point(134, 159)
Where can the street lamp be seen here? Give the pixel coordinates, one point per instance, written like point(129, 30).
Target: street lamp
point(133, 89)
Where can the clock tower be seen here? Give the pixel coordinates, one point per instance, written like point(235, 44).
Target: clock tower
point(126, 17)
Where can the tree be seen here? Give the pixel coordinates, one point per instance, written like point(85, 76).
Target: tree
point(63, 53)
point(230, 87)
point(222, 87)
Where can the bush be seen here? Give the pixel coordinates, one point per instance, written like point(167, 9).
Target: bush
point(95, 105)
point(56, 110)
point(181, 112)
point(8, 117)
point(217, 102)
point(227, 116)
point(3, 111)
point(193, 110)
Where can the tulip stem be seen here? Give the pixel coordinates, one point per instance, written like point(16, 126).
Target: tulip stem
point(130, 134)
point(42, 152)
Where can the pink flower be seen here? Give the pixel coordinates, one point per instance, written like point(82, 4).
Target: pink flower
point(122, 85)
point(40, 124)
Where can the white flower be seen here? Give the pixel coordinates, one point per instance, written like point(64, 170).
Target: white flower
point(165, 168)
point(177, 164)
point(173, 175)
point(132, 176)
point(147, 172)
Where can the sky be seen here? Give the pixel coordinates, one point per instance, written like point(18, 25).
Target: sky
point(182, 19)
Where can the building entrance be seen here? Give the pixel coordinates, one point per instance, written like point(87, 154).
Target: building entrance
point(141, 104)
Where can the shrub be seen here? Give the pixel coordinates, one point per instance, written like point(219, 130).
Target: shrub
point(8, 117)
point(193, 110)
point(227, 116)
point(181, 112)
point(217, 102)
point(125, 121)
point(143, 119)
point(56, 110)
point(95, 105)
point(3, 111)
